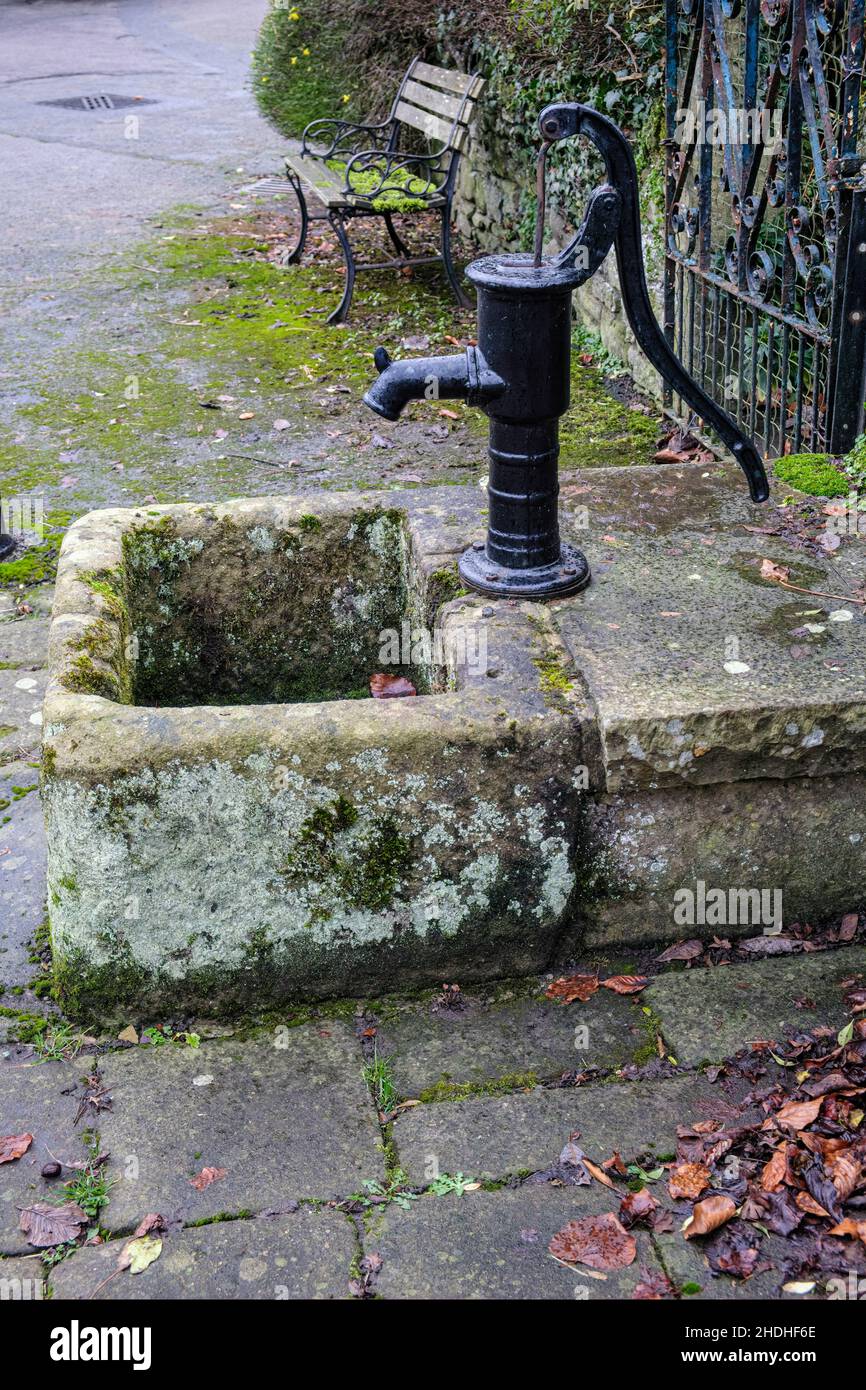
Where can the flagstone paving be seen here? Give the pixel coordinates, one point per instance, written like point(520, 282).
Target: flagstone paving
point(499, 1136)
point(709, 1014)
point(306, 1254)
point(311, 1179)
point(42, 1100)
point(506, 1033)
point(286, 1117)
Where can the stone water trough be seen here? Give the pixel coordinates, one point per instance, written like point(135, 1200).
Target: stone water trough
point(233, 822)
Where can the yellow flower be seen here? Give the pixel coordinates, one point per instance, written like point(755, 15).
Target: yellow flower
point(294, 60)
point(264, 79)
point(306, 52)
point(294, 15)
point(346, 96)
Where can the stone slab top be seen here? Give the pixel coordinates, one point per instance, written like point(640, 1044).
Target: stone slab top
point(689, 666)
point(700, 669)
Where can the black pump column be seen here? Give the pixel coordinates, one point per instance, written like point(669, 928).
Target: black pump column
point(524, 338)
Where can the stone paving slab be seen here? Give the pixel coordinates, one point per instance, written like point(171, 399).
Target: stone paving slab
point(24, 642)
point(494, 1037)
point(21, 694)
point(494, 1245)
point(305, 1254)
point(676, 570)
point(709, 1014)
point(286, 1122)
point(686, 1264)
point(32, 1101)
point(22, 880)
point(22, 1280)
point(497, 1136)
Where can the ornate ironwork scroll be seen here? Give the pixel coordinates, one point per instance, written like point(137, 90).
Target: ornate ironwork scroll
point(765, 256)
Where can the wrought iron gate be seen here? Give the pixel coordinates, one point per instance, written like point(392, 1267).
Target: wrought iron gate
point(765, 256)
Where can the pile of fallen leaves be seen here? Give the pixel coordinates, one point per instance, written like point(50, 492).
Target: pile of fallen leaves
point(793, 1164)
point(788, 1160)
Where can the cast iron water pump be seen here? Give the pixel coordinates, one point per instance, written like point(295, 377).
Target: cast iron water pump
point(519, 373)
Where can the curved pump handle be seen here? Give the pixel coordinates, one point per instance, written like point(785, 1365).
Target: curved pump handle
point(565, 119)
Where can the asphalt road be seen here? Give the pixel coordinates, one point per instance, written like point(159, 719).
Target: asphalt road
point(80, 183)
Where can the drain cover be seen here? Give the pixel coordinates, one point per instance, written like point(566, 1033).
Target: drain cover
point(99, 101)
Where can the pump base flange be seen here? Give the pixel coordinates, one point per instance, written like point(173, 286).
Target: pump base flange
point(568, 575)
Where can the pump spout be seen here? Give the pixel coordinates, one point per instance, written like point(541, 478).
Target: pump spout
point(464, 376)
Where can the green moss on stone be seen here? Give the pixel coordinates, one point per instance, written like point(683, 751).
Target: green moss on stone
point(446, 1090)
point(364, 870)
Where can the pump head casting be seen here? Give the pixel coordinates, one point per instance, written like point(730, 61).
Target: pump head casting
point(519, 373)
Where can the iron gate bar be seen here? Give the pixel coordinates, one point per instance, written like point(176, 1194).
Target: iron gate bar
point(765, 236)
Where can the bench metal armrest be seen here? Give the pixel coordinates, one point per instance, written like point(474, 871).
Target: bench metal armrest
point(340, 136)
point(376, 172)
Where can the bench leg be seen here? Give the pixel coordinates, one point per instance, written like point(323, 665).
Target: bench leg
point(396, 240)
point(295, 255)
point(341, 313)
point(462, 298)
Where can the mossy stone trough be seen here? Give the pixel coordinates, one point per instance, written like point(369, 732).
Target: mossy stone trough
point(232, 820)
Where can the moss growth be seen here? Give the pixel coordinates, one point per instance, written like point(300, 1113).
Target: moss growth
point(84, 677)
point(38, 563)
point(813, 474)
point(446, 1090)
point(294, 616)
point(652, 1028)
point(552, 675)
point(392, 199)
point(600, 431)
point(364, 870)
point(29, 1028)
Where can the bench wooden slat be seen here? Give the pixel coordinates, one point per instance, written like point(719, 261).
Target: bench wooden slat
point(320, 178)
point(460, 82)
point(431, 125)
point(440, 103)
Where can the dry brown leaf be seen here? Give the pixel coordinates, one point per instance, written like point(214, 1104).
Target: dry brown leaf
point(848, 926)
point(774, 1172)
point(597, 1241)
point(778, 573)
point(598, 1173)
point(571, 987)
point(688, 1180)
point(850, 1227)
point(152, 1222)
point(626, 984)
point(638, 1206)
point(385, 687)
point(708, 1215)
point(806, 1202)
point(797, 1114)
point(846, 1170)
point(206, 1177)
point(44, 1224)
point(14, 1146)
point(683, 950)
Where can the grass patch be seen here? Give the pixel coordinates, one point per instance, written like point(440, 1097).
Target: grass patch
point(379, 1077)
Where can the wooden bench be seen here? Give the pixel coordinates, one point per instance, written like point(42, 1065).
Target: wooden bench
point(362, 171)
